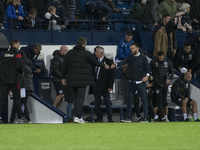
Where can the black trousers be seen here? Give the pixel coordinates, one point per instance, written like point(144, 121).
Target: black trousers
point(16, 97)
point(160, 101)
point(98, 102)
point(79, 95)
point(24, 102)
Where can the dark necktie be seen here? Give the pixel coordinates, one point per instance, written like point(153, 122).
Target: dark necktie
point(96, 71)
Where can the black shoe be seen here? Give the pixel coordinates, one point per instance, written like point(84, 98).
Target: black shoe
point(187, 120)
point(1, 122)
point(144, 120)
point(156, 120)
point(198, 120)
point(110, 121)
point(98, 120)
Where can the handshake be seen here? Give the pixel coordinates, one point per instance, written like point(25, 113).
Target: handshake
point(112, 66)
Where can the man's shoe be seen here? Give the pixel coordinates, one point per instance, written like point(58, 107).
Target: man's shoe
point(70, 120)
point(167, 120)
point(138, 119)
point(126, 120)
point(77, 120)
point(145, 120)
point(187, 120)
point(21, 121)
point(1, 122)
point(110, 121)
point(98, 120)
point(156, 120)
point(198, 120)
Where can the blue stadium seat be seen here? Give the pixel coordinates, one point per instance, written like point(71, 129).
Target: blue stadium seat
point(110, 26)
point(116, 16)
point(120, 26)
point(84, 26)
point(123, 6)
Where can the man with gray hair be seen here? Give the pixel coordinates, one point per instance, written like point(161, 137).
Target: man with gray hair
point(104, 79)
point(56, 65)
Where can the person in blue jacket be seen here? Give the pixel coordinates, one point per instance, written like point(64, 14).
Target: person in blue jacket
point(123, 48)
point(15, 13)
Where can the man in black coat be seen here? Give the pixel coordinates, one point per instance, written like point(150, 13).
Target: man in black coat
point(77, 73)
point(104, 79)
point(186, 58)
point(180, 94)
point(139, 72)
point(11, 67)
point(162, 72)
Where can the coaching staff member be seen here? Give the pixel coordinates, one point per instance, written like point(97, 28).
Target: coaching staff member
point(162, 72)
point(139, 73)
point(77, 73)
point(11, 67)
point(104, 79)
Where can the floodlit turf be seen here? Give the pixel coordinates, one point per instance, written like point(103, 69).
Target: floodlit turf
point(97, 136)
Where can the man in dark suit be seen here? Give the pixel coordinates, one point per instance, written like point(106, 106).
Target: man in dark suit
point(104, 79)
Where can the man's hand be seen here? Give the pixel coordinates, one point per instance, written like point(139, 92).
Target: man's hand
point(195, 20)
point(103, 19)
point(109, 90)
point(37, 71)
point(23, 73)
point(174, 51)
point(190, 70)
point(145, 79)
point(167, 82)
point(155, 24)
point(64, 81)
point(62, 27)
point(115, 9)
point(113, 65)
point(106, 66)
point(20, 18)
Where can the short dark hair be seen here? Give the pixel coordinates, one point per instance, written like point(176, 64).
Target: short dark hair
point(166, 15)
point(129, 33)
point(136, 44)
point(23, 54)
point(81, 41)
point(96, 48)
point(187, 44)
point(160, 53)
point(14, 41)
point(32, 11)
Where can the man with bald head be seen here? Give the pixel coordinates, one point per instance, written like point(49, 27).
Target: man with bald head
point(180, 94)
point(56, 65)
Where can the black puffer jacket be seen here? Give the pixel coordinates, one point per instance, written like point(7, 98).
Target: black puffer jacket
point(77, 68)
point(26, 80)
point(180, 88)
point(56, 65)
point(161, 71)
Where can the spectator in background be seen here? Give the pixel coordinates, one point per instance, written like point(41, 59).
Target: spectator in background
point(165, 20)
point(39, 5)
point(110, 3)
point(164, 41)
point(26, 82)
point(195, 43)
point(53, 20)
point(77, 73)
point(56, 65)
point(168, 7)
point(60, 11)
point(186, 58)
point(124, 47)
point(194, 13)
point(11, 67)
point(149, 15)
point(31, 21)
point(135, 10)
point(15, 14)
point(163, 72)
point(2, 14)
point(99, 10)
point(180, 94)
point(182, 19)
point(103, 79)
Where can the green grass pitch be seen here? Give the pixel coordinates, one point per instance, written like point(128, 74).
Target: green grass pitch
point(99, 136)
